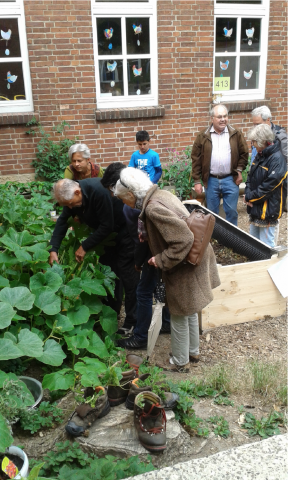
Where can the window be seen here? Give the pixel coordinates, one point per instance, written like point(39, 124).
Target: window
point(125, 47)
point(15, 82)
point(240, 49)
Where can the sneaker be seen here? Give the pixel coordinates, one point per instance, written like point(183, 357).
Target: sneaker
point(84, 415)
point(125, 332)
point(132, 343)
point(178, 368)
point(150, 422)
point(192, 358)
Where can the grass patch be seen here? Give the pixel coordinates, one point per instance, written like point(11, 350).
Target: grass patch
point(269, 380)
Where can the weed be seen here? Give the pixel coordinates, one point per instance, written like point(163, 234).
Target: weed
point(219, 377)
point(192, 424)
point(44, 417)
point(269, 380)
point(241, 409)
point(265, 427)
point(220, 426)
point(221, 400)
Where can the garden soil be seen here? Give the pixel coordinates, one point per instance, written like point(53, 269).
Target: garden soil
point(231, 346)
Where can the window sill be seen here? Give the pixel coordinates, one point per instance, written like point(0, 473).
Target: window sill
point(17, 118)
point(128, 113)
point(245, 105)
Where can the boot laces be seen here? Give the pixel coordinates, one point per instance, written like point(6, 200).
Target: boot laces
point(154, 430)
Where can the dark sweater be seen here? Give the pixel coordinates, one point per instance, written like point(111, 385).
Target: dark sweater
point(141, 249)
point(100, 211)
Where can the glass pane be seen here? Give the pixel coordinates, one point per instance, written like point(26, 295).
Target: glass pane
point(11, 81)
point(250, 34)
point(111, 78)
point(226, 34)
point(109, 36)
point(137, 33)
point(225, 67)
point(9, 38)
point(249, 73)
point(139, 82)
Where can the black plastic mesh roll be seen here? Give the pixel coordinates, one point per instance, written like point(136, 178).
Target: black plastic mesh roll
point(233, 237)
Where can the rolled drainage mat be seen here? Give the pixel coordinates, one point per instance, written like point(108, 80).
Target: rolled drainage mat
point(233, 237)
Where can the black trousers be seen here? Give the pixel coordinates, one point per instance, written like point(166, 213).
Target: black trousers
point(121, 260)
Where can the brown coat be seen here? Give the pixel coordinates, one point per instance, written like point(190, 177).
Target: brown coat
point(202, 151)
point(188, 288)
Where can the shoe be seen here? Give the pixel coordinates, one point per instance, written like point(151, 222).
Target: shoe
point(170, 400)
point(177, 368)
point(135, 390)
point(150, 422)
point(165, 328)
point(84, 415)
point(134, 361)
point(132, 343)
point(118, 394)
point(125, 332)
point(192, 358)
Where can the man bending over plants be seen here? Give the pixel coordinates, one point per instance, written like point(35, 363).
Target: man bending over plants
point(91, 204)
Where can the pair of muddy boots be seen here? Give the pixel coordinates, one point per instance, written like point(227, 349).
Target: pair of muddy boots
point(150, 422)
point(169, 401)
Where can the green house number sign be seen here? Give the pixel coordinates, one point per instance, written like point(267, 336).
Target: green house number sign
point(221, 83)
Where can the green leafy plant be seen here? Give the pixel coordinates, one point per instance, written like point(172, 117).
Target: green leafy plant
point(14, 397)
point(52, 155)
point(177, 172)
point(156, 379)
point(45, 416)
point(221, 400)
point(220, 426)
point(265, 427)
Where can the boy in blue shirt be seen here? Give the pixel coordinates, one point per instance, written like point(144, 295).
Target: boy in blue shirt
point(146, 159)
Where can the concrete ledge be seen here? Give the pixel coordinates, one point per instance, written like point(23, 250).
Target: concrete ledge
point(256, 461)
point(107, 114)
point(17, 118)
point(20, 178)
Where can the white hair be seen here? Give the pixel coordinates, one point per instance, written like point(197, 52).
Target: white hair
point(212, 109)
point(264, 112)
point(64, 189)
point(132, 180)
point(81, 148)
point(262, 134)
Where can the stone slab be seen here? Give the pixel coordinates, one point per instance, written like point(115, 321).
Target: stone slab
point(265, 460)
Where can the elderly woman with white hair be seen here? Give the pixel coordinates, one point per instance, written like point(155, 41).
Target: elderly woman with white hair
point(266, 186)
point(80, 166)
point(188, 287)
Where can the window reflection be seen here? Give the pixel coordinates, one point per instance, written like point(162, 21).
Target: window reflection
point(109, 36)
point(111, 78)
point(226, 34)
point(11, 81)
point(249, 73)
point(137, 34)
point(138, 72)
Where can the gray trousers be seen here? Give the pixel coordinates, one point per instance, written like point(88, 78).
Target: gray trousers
point(184, 337)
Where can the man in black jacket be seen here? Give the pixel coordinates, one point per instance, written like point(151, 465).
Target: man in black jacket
point(89, 202)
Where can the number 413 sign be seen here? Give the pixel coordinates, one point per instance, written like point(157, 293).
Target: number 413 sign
point(221, 83)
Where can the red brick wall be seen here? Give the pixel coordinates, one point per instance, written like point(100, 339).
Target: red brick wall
point(59, 34)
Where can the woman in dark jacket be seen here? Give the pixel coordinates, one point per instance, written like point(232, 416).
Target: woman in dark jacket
point(266, 186)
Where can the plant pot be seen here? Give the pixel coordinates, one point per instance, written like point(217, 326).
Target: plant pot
point(19, 453)
point(35, 388)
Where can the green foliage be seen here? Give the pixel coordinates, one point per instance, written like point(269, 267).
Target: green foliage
point(177, 172)
point(220, 426)
point(156, 379)
point(52, 155)
point(265, 427)
point(194, 425)
point(246, 171)
point(221, 400)
point(14, 397)
point(6, 438)
point(269, 379)
point(69, 462)
point(45, 416)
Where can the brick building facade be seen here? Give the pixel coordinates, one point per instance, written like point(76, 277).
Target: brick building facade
point(61, 56)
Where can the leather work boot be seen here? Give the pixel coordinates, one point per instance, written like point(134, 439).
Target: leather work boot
point(170, 398)
point(134, 361)
point(150, 422)
point(118, 394)
point(85, 415)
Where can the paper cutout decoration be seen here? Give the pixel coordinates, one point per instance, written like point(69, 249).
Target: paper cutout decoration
point(110, 46)
point(227, 33)
point(108, 32)
point(111, 66)
point(248, 75)
point(112, 83)
point(137, 72)
point(224, 65)
point(138, 42)
point(250, 33)
point(6, 36)
point(11, 79)
point(9, 468)
point(138, 91)
point(137, 30)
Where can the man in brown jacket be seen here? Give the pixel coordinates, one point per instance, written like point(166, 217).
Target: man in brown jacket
point(219, 155)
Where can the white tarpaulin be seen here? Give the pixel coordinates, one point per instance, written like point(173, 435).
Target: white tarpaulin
point(278, 273)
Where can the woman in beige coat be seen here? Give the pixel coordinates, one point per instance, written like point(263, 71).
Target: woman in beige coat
point(188, 287)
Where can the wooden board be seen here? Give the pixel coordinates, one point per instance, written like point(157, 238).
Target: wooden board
point(246, 293)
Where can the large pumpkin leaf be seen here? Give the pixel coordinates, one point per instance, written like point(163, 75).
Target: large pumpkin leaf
point(13, 240)
point(96, 346)
point(29, 343)
point(75, 342)
point(4, 282)
point(22, 255)
point(92, 302)
point(61, 380)
point(78, 315)
point(47, 301)
point(73, 288)
point(52, 353)
point(6, 314)
point(93, 286)
point(8, 350)
point(8, 259)
point(6, 438)
point(40, 255)
point(60, 322)
point(19, 297)
point(48, 279)
point(109, 320)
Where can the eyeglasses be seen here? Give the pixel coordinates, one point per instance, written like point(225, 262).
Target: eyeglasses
point(221, 116)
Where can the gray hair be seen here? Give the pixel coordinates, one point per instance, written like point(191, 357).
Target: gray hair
point(64, 189)
point(134, 181)
point(212, 109)
point(264, 112)
point(81, 148)
point(262, 134)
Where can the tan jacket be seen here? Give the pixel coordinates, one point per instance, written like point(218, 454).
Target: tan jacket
point(188, 288)
point(202, 150)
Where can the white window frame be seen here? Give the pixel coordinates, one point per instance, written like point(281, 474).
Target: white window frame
point(124, 10)
point(16, 10)
point(244, 11)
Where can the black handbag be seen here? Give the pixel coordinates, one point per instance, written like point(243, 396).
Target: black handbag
point(160, 292)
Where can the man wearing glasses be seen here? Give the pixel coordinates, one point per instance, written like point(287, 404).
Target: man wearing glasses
point(219, 155)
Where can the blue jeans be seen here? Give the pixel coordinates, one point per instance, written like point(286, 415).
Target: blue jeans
point(230, 193)
point(267, 234)
point(145, 289)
